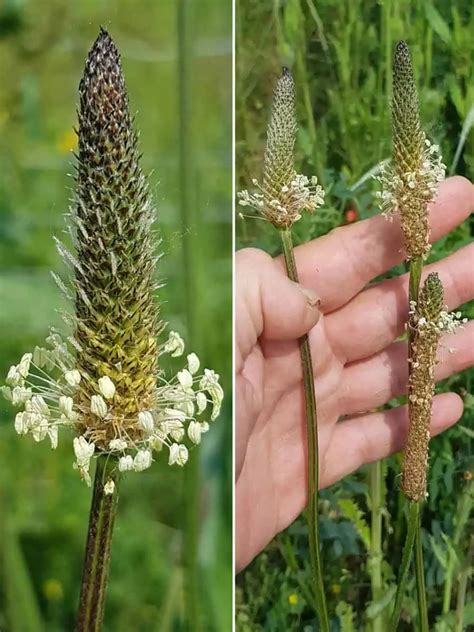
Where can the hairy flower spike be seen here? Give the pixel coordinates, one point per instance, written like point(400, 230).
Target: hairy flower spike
point(113, 217)
point(105, 381)
point(428, 321)
point(411, 182)
point(284, 194)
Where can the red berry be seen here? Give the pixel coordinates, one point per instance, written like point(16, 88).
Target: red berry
point(351, 215)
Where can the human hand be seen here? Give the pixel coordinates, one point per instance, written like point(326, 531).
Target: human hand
point(357, 364)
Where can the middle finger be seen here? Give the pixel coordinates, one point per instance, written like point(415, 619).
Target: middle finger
point(376, 316)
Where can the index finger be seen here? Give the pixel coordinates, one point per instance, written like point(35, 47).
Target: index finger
point(343, 262)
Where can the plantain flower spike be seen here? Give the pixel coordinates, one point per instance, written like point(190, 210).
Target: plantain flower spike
point(429, 319)
point(103, 378)
point(411, 181)
point(284, 194)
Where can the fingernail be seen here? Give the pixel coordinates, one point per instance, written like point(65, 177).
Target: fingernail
point(311, 296)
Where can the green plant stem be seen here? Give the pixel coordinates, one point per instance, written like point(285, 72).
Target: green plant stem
point(462, 589)
point(413, 512)
point(463, 511)
point(313, 460)
point(420, 576)
point(375, 555)
point(99, 539)
point(416, 267)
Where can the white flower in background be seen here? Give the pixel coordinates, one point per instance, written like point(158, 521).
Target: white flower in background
point(24, 366)
point(106, 387)
point(98, 406)
point(14, 377)
point(37, 405)
point(178, 454)
point(83, 451)
point(21, 423)
point(20, 395)
point(194, 432)
point(66, 405)
point(39, 427)
point(210, 383)
point(186, 407)
point(109, 487)
point(53, 436)
point(185, 379)
point(73, 378)
point(193, 363)
point(125, 463)
point(142, 460)
point(146, 421)
point(172, 415)
point(174, 345)
point(201, 401)
point(42, 358)
point(117, 445)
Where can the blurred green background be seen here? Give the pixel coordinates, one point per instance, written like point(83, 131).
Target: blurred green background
point(340, 52)
point(177, 59)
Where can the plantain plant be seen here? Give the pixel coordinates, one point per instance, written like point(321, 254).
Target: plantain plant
point(102, 378)
point(280, 199)
point(410, 184)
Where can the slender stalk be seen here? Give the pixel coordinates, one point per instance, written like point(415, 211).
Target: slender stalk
point(313, 460)
point(462, 514)
point(170, 601)
point(462, 589)
point(375, 562)
point(190, 261)
point(413, 512)
point(420, 577)
point(416, 267)
point(99, 540)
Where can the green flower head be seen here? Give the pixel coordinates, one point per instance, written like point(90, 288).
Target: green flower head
point(411, 182)
point(284, 194)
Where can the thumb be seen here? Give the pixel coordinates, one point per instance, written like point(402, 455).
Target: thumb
point(269, 304)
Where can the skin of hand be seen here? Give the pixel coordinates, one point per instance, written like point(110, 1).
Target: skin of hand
point(358, 363)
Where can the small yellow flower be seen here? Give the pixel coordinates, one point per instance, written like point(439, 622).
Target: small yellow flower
point(336, 589)
point(53, 590)
point(293, 599)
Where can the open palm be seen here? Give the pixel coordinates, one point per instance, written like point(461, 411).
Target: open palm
point(358, 364)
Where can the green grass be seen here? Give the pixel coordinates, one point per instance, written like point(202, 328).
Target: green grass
point(43, 505)
point(340, 53)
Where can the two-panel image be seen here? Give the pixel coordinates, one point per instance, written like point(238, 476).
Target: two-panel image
point(236, 304)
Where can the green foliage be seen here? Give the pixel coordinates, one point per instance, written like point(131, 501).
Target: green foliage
point(340, 53)
point(345, 612)
point(24, 614)
point(42, 51)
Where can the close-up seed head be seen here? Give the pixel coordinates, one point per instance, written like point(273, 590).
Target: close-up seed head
point(411, 181)
point(284, 194)
point(102, 377)
point(116, 313)
point(429, 319)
